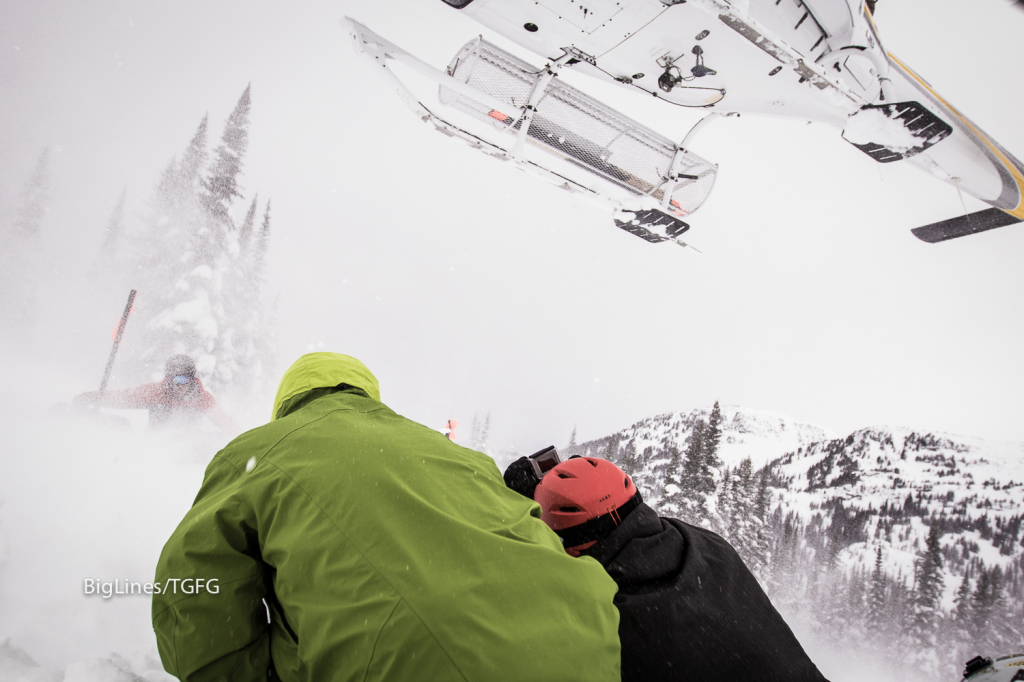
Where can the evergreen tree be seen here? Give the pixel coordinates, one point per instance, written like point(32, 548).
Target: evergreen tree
point(785, 583)
point(958, 632)
point(245, 232)
point(112, 233)
point(187, 175)
point(114, 266)
point(35, 200)
point(485, 433)
point(776, 534)
point(252, 329)
point(897, 617)
point(854, 612)
point(697, 480)
point(982, 602)
point(167, 259)
point(962, 601)
point(694, 469)
point(474, 433)
point(572, 437)
point(611, 449)
point(218, 242)
point(20, 252)
point(724, 504)
point(259, 266)
point(629, 463)
point(711, 440)
point(201, 278)
point(207, 277)
point(926, 610)
point(737, 518)
point(221, 184)
point(761, 542)
point(1003, 632)
point(876, 618)
point(672, 482)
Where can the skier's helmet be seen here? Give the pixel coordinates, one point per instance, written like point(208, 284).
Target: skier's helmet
point(180, 366)
point(584, 499)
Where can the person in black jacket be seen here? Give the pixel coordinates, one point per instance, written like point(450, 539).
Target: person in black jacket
point(689, 608)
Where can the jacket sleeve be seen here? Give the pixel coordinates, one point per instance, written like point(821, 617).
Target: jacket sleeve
point(133, 398)
point(215, 629)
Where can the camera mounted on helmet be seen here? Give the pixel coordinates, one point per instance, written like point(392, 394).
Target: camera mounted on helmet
point(544, 461)
point(584, 499)
point(525, 473)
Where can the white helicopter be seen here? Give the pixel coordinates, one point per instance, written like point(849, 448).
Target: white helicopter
point(818, 60)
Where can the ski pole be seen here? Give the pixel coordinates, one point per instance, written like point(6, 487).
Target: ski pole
point(117, 341)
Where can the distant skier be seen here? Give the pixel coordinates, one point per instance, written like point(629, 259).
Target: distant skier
point(689, 608)
point(380, 549)
point(177, 400)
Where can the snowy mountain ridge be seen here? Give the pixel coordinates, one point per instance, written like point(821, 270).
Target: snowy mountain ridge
point(898, 539)
point(973, 486)
point(805, 457)
point(761, 435)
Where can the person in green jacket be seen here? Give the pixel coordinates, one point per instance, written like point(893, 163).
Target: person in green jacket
point(342, 541)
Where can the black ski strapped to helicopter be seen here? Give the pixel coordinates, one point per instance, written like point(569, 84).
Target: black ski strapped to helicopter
point(818, 60)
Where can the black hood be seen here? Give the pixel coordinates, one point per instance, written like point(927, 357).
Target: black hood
point(689, 609)
point(642, 549)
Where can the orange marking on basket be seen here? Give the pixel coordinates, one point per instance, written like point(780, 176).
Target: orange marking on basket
point(681, 212)
point(495, 114)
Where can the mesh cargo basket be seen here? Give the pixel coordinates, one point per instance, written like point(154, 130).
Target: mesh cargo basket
point(577, 128)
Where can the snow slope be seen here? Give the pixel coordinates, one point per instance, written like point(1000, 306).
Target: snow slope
point(81, 501)
point(959, 477)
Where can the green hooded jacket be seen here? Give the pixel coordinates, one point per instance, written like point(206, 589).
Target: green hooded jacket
point(377, 549)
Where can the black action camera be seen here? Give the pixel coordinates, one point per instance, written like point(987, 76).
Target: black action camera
point(544, 461)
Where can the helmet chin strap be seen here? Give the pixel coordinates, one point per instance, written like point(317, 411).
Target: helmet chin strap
point(598, 527)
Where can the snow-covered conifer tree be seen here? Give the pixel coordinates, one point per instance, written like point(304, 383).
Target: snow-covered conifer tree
point(114, 231)
point(760, 544)
point(877, 599)
point(485, 433)
point(672, 482)
point(474, 433)
point(170, 298)
point(739, 522)
point(926, 607)
point(982, 601)
point(711, 439)
point(691, 500)
point(19, 247)
point(611, 449)
point(206, 286)
point(246, 230)
point(629, 463)
point(221, 184)
point(252, 324)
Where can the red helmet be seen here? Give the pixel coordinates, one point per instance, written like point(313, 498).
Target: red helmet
point(584, 499)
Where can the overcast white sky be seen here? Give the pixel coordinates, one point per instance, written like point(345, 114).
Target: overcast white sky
point(469, 287)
